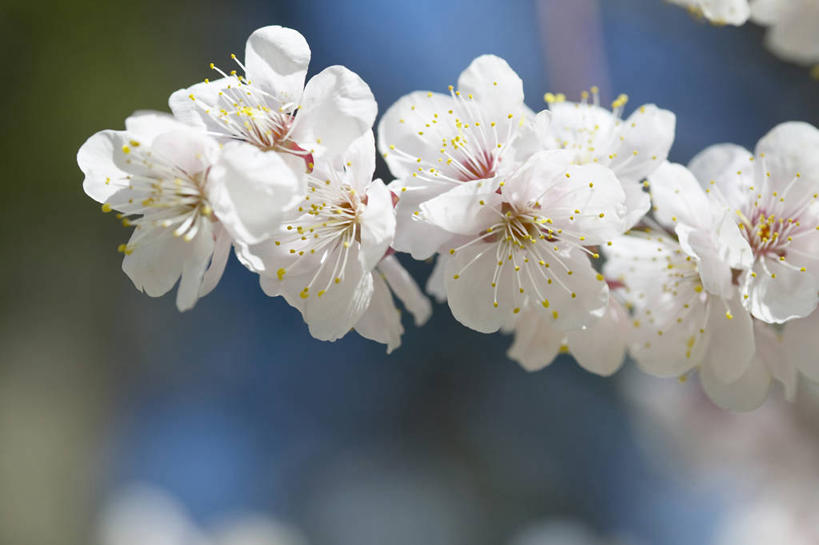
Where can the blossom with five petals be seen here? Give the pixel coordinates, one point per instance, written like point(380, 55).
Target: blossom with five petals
point(331, 257)
point(183, 198)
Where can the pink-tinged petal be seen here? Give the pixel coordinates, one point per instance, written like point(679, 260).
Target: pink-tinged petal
point(537, 343)
point(601, 348)
point(103, 177)
point(276, 59)
point(405, 288)
point(251, 190)
point(730, 331)
point(466, 209)
point(647, 136)
point(337, 107)
point(775, 292)
point(678, 197)
point(382, 320)
point(801, 345)
point(492, 83)
point(377, 223)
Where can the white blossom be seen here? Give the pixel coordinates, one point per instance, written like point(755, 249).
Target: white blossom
point(633, 147)
point(720, 12)
point(434, 142)
point(183, 198)
point(330, 258)
point(793, 32)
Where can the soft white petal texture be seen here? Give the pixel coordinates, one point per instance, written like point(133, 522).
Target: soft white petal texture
point(156, 264)
point(193, 269)
point(730, 12)
point(746, 394)
point(334, 313)
point(377, 223)
point(466, 209)
point(791, 294)
point(436, 283)
point(276, 59)
point(187, 149)
point(727, 167)
point(192, 112)
point(251, 191)
point(359, 159)
point(471, 295)
point(103, 177)
point(542, 171)
point(678, 197)
point(793, 37)
point(337, 107)
point(596, 192)
point(638, 203)
point(730, 340)
point(494, 84)
point(382, 321)
point(405, 288)
point(146, 125)
point(751, 390)
point(601, 348)
point(801, 345)
point(767, 12)
point(647, 136)
point(536, 342)
point(790, 148)
point(418, 238)
point(221, 252)
point(400, 127)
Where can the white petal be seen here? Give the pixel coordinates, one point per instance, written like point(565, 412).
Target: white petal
point(382, 321)
point(678, 197)
point(647, 136)
point(727, 167)
point(206, 95)
point(405, 288)
point(767, 12)
point(726, 12)
point(541, 172)
point(103, 177)
point(193, 269)
point(730, 340)
point(794, 36)
point(791, 294)
point(746, 394)
point(156, 262)
point(471, 295)
point(186, 149)
point(403, 127)
point(596, 192)
point(146, 125)
point(250, 191)
point(601, 348)
point(790, 148)
point(416, 237)
point(337, 107)
point(638, 202)
point(801, 345)
point(276, 59)
point(436, 283)
point(377, 223)
point(221, 253)
point(359, 158)
point(497, 87)
point(466, 209)
point(536, 342)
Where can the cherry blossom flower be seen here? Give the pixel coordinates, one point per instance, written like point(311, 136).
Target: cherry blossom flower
point(720, 12)
point(331, 257)
point(677, 324)
point(434, 142)
point(185, 200)
point(774, 198)
point(272, 109)
point(633, 147)
point(523, 240)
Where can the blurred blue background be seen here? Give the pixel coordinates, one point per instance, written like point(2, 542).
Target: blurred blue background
point(233, 406)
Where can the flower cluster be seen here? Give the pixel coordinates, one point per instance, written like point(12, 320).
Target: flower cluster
point(793, 25)
point(519, 209)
